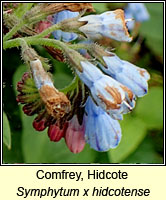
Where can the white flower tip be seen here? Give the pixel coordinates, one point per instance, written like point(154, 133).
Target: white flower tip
point(129, 20)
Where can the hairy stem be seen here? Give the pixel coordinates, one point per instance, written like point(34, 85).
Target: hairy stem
point(71, 86)
point(47, 31)
point(35, 41)
point(14, 30)
point(79, 46)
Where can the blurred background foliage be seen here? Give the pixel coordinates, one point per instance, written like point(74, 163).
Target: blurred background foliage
point(142, 130)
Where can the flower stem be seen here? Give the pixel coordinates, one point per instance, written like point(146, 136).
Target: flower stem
point(79, 46)
point(17, 27)
point(47, 31)
point(35, 41)
point(71, 86)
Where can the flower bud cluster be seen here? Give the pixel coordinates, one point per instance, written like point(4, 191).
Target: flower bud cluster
point(53, 109)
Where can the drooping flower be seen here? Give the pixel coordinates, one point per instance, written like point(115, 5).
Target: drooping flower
point(55, 133)
point(40, 97)
point(110, 24)
point(60, 124)
point(56, 102)
point(101, 131)
point(131, 76)
point(74, 135)
point(138, 12)
point(135, 78)
point(115, 98)
point(61, 35)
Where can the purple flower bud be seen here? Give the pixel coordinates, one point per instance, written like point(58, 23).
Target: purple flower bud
point(133, 77)
point(42, 25)
point(101, 131)
point(61, 35)
point(28, 94)
point(40, 100)
point(40, 122)
point(33, 107)
point(109, 24)
point(74, 136)
point(26, 85)
point(55, 133)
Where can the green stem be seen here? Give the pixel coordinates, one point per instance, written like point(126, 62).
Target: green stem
point(14, 30)
point(47, 31)
point(72, 85)
point(35, 41)
point(21, 23)
point(22, 9)
point(79, 46)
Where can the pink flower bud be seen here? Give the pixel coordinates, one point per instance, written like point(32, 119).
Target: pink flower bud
point(42, 25)
point(40, 122)
point(55, 133)
point(74, 136)
point(39, 125)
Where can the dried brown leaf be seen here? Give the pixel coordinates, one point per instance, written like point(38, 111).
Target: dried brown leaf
point(75, 7)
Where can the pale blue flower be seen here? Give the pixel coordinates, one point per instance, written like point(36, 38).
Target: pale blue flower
point(89, 74)
point(84, 52)
point(138, 12)
point(114, 98)
point(110, 24)
point(110, 95)
point(61, 35)
point(40, 76)
point(101, 131)
point(133, 77)
point(131, 23)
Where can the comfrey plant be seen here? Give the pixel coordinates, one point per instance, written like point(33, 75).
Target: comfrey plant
point(104, 86)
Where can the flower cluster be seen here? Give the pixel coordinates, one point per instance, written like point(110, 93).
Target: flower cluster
point(101, 131)
point(104, 88)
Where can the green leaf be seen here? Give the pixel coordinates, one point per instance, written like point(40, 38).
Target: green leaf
point(15, 154)
point(6, 132)
point(37, 147)
point(113, 6)
point(150, 108)
point(100, 7)
point(152, 29)
point(133, 132)
point(145, 153)
point(61, 80)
